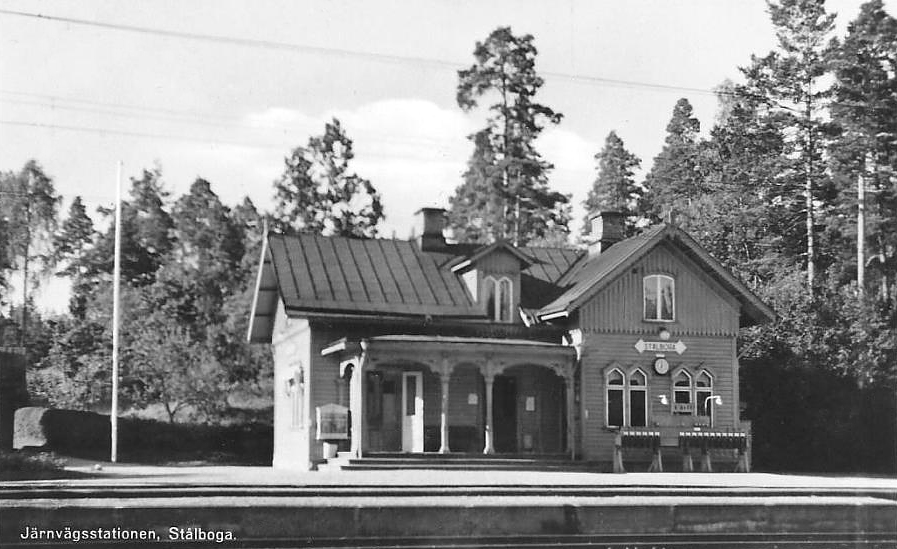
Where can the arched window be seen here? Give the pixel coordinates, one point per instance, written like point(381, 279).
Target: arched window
point(682, 393)
point(638, 399)
point(660, 297)
point(504, 300)
point(499, 297)
point(703, 391)
point(614, 383)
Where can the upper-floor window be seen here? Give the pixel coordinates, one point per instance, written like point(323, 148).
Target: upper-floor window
point(660, 295)
point(499, 298)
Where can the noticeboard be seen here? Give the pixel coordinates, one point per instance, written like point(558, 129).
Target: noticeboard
point(332, 422)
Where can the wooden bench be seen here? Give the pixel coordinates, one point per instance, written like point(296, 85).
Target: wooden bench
point(665, 437)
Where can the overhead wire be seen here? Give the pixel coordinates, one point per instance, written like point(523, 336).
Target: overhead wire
point(371, 56)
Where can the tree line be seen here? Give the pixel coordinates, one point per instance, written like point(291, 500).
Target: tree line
point(793, 188)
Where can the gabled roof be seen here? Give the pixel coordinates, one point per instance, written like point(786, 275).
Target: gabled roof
point(463, 262)
point(590, 275)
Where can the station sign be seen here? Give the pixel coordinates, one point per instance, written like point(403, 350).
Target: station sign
point(660, 346)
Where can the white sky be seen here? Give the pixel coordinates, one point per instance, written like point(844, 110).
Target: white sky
point(230, 112)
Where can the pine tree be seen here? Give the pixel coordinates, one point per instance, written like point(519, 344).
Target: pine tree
point(736, 218)
point(790, 80)
point(674, 181)
point(506, 174)
point(146, 232)
point(615, 188)
point(70, 246)
point(474, 214)
point(318, 194)
point(29, 208)
point(74, 238)
point(865, 67)
point(204, 231)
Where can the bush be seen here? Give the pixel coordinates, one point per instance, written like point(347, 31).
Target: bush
point(23, 465)
point(87, 435)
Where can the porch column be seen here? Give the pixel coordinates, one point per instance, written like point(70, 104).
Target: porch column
point(571, 429)
point(444, 378)
point(489, 448)
point(356, 408)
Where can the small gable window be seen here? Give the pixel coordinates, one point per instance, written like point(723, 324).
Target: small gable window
point(499, 297)
point(659, 291)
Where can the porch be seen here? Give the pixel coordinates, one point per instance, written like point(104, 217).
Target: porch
point(435, 395)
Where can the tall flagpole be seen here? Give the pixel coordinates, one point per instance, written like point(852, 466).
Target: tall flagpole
point(116, 275)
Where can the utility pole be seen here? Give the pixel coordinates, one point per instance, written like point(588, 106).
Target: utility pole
point(861, 229)
point(24, 329)
point(116, 276)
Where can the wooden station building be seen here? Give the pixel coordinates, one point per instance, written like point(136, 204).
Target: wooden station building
point(438, 347)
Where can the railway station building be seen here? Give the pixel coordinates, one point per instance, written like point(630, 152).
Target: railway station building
point(432, 347)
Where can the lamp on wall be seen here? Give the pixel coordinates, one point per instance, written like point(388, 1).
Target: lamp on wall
point(664, 334)
point(663, 400)
point(718, 400)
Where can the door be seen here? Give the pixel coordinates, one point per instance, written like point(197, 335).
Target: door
point(504, 414)
point(412, 412)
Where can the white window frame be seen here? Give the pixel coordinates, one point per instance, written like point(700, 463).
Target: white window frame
point(607, 390)
point(626, 389)
point(700, 401)
point(630, 388)
point(495, 286)
point(690, 390)
point(657, 289)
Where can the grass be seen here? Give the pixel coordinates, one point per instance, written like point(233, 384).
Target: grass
point(19, 465)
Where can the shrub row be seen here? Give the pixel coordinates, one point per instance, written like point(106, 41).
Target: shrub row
point(87, 435)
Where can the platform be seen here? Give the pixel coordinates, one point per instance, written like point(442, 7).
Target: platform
point(262, 507)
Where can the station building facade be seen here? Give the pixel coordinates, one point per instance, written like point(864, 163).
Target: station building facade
point(438, 347)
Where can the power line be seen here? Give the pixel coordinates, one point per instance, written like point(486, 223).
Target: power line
point(125, 106)
point(109, 109)
point(389, 58)
point(251, 42)
point(103, 131)
point(54, 106)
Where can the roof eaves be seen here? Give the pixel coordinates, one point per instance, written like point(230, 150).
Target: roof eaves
point(254, 309)
point(763, 312)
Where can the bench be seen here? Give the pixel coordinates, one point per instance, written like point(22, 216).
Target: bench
point(656, 439)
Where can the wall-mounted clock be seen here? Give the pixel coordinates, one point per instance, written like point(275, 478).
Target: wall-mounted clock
point(661, 366)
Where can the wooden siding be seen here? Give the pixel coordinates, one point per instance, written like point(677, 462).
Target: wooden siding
point(600, 351)
point(702, 307)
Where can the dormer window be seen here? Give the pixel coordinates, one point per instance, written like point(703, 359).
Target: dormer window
point(660, 294)
point(499, 295)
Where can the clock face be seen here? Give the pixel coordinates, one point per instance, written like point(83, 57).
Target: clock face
point(661, 366)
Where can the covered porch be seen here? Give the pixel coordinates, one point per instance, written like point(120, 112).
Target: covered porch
point(415, 394)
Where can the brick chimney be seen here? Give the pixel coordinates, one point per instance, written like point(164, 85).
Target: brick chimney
point(605, 229)
point(429, 226)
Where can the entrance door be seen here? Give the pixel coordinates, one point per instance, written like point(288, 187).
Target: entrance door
point(504, 414)
point(412, 412)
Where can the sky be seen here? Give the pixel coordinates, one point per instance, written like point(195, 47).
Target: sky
point(224, 89)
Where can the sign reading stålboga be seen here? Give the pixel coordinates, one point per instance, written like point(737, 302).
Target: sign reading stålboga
point(660, 346)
